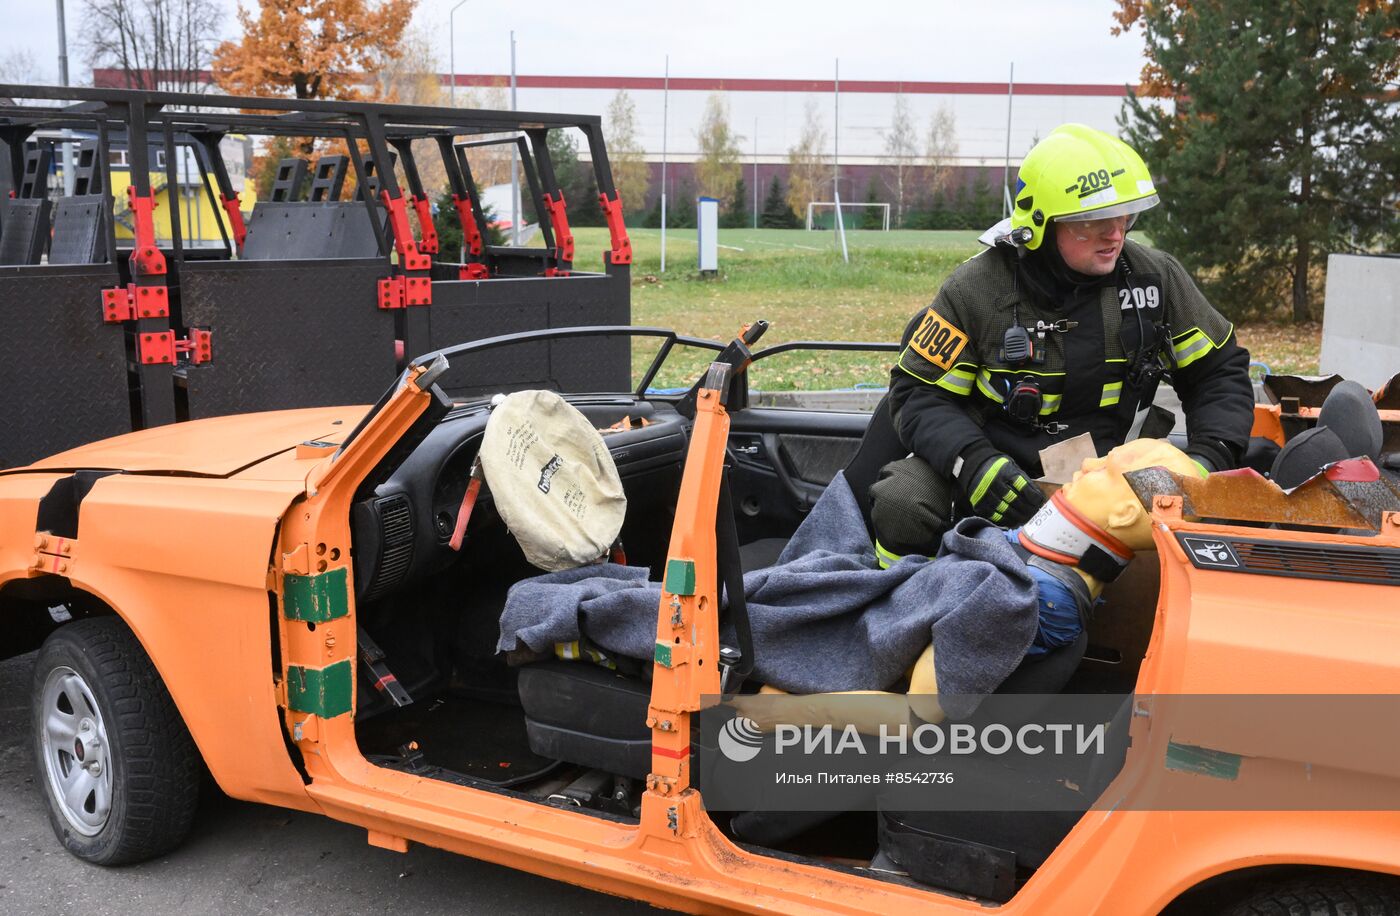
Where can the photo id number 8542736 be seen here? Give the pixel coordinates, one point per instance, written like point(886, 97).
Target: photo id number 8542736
point(920, 778)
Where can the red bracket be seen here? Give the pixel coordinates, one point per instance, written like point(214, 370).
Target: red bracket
point(155, 347)
point(473, 272)
point(130, 302)
point(401, 292)
point(199, 346)
point(621, 245)
point(555, 272)
point(470, 231)
point(428, 231)
point(235, 219)
point(410, 258)
point(161, 347)
point(146, 258)
point(559, 221)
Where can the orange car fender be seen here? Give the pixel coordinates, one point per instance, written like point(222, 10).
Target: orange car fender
point(184, 561)
point(19, 507)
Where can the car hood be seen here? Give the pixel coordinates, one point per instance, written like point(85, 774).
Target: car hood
point(216, 447)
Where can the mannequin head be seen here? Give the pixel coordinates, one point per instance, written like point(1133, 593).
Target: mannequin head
point(1099, 492)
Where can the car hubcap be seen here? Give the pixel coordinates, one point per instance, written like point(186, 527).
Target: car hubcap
point(75, 752)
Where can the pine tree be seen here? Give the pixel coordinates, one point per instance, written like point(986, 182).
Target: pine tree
point(575, 180)
point(736, 215)
point(1282, 145)
point(871, 217)
point(776, 212)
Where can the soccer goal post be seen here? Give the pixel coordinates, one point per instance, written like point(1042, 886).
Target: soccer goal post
point(821, 214)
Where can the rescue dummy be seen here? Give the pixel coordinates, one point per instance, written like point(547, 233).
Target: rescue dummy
point(1078, 542)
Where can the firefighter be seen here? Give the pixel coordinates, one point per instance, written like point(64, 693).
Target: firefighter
point(1061, 326)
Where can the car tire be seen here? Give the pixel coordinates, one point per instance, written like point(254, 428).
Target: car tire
point(1323, 895)
point(115, 762)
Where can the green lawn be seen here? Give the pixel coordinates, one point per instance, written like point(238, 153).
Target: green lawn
point(798, 282)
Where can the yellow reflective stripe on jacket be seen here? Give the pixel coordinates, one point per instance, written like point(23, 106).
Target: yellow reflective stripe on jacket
point(1049, 403)
point(957, 380)
point(885, 557)
point(984, 385)
point(1112, 393)
point(1190, 347)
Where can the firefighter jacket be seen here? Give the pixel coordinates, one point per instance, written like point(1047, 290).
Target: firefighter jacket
point(949, 385)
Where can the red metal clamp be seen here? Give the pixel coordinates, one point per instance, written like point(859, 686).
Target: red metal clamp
point(409, 256)
point(199, 345)
point(470, 231)
point(235, 218)
point(161, 347)
point(401, 292)
point(146, 258)
point(621, 252)
point(129, 302)
point(473, 272)
point(426, 229)
point(559, 221)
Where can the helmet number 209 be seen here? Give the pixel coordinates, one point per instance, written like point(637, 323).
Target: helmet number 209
point(1093, 181)
point(1148, 297)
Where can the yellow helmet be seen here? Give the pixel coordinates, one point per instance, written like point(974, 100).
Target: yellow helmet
point(1078, 173)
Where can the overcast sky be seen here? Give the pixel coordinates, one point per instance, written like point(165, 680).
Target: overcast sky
point(1056, 41)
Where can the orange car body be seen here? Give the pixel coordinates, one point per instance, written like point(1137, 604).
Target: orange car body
point(216, 519)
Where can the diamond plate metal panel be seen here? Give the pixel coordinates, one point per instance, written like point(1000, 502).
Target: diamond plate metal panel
point(64, 373)
point(287, 334)
point(463, 311)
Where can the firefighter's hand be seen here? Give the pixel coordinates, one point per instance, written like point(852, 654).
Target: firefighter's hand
point(995, 488)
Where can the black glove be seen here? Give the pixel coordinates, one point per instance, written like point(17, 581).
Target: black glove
point(995, 488)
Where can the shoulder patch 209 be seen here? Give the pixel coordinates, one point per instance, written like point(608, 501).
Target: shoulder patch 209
point(937, 340)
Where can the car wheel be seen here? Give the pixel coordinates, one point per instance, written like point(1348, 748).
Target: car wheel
point(1323, 895)
point(116, 763)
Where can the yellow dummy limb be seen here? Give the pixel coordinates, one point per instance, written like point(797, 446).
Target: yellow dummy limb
point(867, 710)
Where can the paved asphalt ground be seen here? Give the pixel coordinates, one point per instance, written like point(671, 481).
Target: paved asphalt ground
point(244, 859)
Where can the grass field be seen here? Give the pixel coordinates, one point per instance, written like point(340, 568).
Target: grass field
point(797, 281)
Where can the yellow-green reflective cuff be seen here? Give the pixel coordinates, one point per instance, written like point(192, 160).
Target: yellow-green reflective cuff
point(885, 558)
point(1049, 403)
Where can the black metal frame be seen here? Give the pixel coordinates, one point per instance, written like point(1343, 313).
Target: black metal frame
point(538, 282)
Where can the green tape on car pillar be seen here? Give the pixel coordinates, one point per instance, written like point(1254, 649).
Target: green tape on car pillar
point(316, 599)
point(680, 577)
point(1203, 761)
point(323, 692)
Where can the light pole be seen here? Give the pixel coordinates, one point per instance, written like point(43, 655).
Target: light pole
point(69, 179)
point(451, 51)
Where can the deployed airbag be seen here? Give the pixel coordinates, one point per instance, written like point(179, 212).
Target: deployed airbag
point(553, 480)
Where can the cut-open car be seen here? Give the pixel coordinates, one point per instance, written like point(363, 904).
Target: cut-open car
point(297, 617)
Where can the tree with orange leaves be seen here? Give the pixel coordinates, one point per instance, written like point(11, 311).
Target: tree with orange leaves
point(317, 49)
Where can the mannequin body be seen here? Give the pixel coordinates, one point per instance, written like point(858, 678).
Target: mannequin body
point(1097, 499)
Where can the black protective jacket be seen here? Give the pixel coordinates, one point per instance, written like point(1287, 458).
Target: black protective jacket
point(950, 382)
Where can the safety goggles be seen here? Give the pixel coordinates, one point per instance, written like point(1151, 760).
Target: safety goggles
point(1095, 223)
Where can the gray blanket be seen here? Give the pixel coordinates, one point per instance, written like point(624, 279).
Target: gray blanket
point(825, 616)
